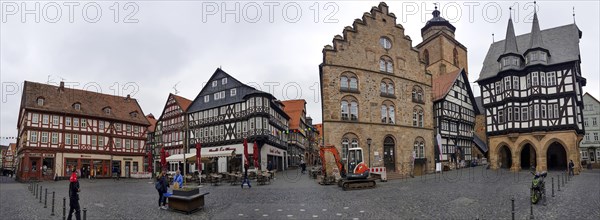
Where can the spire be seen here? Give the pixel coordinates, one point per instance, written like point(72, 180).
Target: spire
point(536, 35)
point(436, 13)
point(574, 15)
point(510, 42)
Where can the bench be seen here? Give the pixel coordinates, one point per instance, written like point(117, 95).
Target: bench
point(187, 204)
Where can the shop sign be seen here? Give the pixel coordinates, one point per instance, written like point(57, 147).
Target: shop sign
point(221, 149)
point(127, 158)
point(275, 151)
point(48, 155)
point(89, 156)
point(35, 154)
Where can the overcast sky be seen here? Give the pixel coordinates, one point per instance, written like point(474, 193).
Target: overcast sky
point(148, 47)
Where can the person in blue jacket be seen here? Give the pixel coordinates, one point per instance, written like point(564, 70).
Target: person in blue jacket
point(178, 179)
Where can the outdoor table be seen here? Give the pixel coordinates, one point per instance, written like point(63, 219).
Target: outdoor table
point(216, 179)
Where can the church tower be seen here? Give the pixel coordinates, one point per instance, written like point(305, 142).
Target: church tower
point(439, 50)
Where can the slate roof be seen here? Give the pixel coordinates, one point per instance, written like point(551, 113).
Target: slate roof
point(479, 104)
point(61, 100)
point(480, 144)
point(562, 43)
point(294, 109)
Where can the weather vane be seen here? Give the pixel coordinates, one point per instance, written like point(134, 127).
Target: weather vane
point(493, 40)
point(175, 88)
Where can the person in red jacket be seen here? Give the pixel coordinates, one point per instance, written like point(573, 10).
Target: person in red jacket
point(74, 196)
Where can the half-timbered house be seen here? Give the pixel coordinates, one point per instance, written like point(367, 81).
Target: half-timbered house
point(61, 129)
point(170, 128)
point(227, 111)
point(531, 87)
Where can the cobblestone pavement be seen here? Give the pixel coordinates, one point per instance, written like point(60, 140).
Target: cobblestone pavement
point(464, 194)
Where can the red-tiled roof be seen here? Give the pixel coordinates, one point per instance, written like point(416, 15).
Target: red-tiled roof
point(442, 84)
point(12, 147)
point(61, 99)
point(152, 121)
point(319, 129)
point(183, 102)
point(294, 109)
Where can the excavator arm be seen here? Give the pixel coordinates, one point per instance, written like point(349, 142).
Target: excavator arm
point(326, 153)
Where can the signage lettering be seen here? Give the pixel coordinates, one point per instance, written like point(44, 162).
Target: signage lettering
point(221, 149)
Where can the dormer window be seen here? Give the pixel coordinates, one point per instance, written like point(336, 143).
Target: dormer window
point(133, 114)
point(40, 101)
point(77, 106)
point(106, 110)
point(505, 61)
point(543, 56)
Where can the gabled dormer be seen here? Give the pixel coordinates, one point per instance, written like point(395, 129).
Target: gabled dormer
point(537, 53)
point(511, 58)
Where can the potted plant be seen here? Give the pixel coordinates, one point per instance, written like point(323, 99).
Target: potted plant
point(186, 191)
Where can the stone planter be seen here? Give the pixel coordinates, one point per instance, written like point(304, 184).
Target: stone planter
point(187, 192)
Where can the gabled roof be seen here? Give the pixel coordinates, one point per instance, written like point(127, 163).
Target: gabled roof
point(480, 143)
point(241, 90)
point(443, 83)
point(591, 96)
point(183, 102)
point(294, 109)
point(319, 129)
point(562, 42)
point(152, 121)
point(61, 99)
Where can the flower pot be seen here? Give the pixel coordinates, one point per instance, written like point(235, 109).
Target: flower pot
point(186, 192)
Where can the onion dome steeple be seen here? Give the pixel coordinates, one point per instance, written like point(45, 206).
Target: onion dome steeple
point(437, 23)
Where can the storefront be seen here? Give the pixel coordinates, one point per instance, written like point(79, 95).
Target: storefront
point(275, 155)
point(37, 166)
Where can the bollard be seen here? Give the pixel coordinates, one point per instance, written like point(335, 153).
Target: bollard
point(46, 198)
point(512, 201)
point(563, 180)
point(41, 194)
point(531, 210)
point(52, 204)
point(552, 186)
point(84, 213)
point(64, 209)
point(36, 192)
point(558, 182)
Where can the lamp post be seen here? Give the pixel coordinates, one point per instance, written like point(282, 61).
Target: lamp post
point(369, 143)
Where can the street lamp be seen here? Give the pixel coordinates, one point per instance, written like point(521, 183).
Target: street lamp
point(369, 143)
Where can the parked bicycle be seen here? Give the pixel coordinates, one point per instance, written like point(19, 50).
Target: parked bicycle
point(538, 189)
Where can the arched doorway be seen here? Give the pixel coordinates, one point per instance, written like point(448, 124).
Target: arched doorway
point(528, 157)
point(556, 157)
point(389, 159)
point(505, 157)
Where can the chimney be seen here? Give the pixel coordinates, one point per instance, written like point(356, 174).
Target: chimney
point(62, 86)
point(128, 97)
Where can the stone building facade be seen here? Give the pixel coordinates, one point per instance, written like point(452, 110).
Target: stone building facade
point(590, 145)
point(367, 80)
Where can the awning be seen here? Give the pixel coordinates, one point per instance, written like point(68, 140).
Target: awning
point(480, 144)
point(179, 157)
point(206, 154)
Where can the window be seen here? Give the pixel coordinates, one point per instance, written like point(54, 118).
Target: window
point(587, 136)
point(383, 88)
point(517, 114)
point(217, 96)
point(224, 81)
point(498, 88)
point(385, 43)
point(594, 121)
point(509, 115)
point(345, 115)
point(45, 119)
point(54, 138)
point(118, 143)
point(118, 127)
point(536, 111)
point(107, 110)
point(391, 115)
point(100, 141)
point(33, 137)
point(507, 83)
point(543, 107)
point(385, 65)
point(232, 92)
point(44, 137)
point(77, 106)
point(390, 89)
point(353, 83)
point(76, 122)
point(68, 139)
point(415, 117)
point(344, 148)
point(127, 144)
point(542, 79)
point(94, 141)
point(419, 148)
point(384, 114)
point(426, 57)
point(417, 94)
point(505, 61)
point(556, 115)
point(455, 57)
point(40, 101)
point(543, 56)
point(353, 111)
point(344, 82)
point(101, 125)
point(551, 77)
point(534, 79)
point(500, 116)
point(75, 139)
point(214, 83)
point(83, 123)
point(528, 78)
point(55, 120)
point(35, 118)
point(421, 118)
point(595, 136)
point(206, 98)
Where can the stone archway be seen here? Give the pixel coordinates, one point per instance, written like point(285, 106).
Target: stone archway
point(504, 157)
point(556, 157)
point(528, 157)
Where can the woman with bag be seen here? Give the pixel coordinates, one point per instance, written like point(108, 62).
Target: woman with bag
point(161, 186)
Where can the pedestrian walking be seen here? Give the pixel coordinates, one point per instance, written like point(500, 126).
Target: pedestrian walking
point(74, 196)
point(303, 166)
point(162, 187)
point(246, 180)
point(571, 167)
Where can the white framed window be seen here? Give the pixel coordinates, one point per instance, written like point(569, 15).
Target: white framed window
point(353, 83)
point(345, 111)
point(68, 139)
point(500, 116)
point(214, 83)
point(556, 114)
point(100, 141)
point(35, 118)
point(206, 98)
point(595, 136)
point(543, 107)
point(54, 139)
point(136, 144)
point(222, 94)
point(517, 114)
point(224, 81)
point(550, 111)
point(101, 125)
point(75, 122)
point(33, 136)
point(45, 119)
point(44, 137)
point(75, 139)
point(55, 119)
point(94, 141)
point(40, 101)
point(343, 82)
point(345, 146)
point(83, 122)
point(118, 142)
point(127, 144)
point(594, 122)
point(353, 111)
point(542, 78)
point(516, 82)
point(385, 43)
point(536, 111)
point(534, 79)
point(498, 88)
point(551, 77)
point(392, 116)
point(509, 114)
point(507, 83)
point(384, 114)
point(232, 92)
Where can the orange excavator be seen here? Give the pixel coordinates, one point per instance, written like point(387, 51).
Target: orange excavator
point(357, 176)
